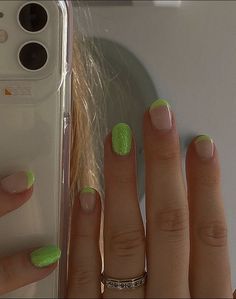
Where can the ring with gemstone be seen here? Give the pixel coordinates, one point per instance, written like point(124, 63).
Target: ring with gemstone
point(121, 284)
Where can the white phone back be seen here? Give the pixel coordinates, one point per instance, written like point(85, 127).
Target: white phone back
point(34, 135)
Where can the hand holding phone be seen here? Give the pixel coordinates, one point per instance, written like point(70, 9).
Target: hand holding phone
point(35, 74)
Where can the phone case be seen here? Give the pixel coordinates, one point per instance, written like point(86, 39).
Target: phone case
point(35, 118)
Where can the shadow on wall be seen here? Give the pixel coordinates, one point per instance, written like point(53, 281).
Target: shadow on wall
point(129, 91)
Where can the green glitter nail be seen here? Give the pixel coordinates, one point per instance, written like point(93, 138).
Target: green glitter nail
point(45, 256)
point(121, 139)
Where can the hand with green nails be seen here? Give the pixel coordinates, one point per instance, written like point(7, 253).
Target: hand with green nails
point(32, 264)
point(185, 243)
point(173, 218)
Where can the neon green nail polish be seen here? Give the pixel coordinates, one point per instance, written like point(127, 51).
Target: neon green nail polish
point(88, 190)
point(30, 178)
point(202, 138)
point(45, 256)
point(121, 139)
point(158, 103)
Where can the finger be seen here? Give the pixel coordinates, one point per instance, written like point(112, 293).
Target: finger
point(234, 295)
point(167, 225)
point(26, 267)
point(85, 263)
point(15, 190)
point(209, 265)
point(124, 236)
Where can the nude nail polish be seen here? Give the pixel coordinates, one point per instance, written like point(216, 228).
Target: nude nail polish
point(87, 199)
point(18, 182)
point(160, 114)
point(204, 146)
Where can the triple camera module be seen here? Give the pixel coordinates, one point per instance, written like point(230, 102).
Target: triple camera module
point(33, 18)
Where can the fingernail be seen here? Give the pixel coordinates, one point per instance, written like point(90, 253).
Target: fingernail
point(204, 146)
point(45, 256)
point(18, 182)
point(88, 199)
point(121, 139)
point(160, 114)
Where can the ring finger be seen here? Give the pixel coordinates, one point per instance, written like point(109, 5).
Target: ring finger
point(124, 236)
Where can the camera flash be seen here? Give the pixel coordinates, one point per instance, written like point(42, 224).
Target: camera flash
point(3, 36)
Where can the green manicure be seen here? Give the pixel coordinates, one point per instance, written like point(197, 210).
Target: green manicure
point(158, 103)
point(202, 138)
point(45, 256)
point(121, 139)
point(30, 178)
point(87, 190)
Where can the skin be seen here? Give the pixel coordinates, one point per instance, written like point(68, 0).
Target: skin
point(186, 258)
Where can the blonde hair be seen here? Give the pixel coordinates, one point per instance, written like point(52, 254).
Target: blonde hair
point(89, 124)
point(89, 109)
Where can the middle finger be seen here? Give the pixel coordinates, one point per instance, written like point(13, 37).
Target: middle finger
point(166, 206)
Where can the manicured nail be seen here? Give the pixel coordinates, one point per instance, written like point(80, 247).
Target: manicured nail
point(121, 139)
point(204, 146)
point(18, 182)
point(160, 114)
point(45, 256)
point(88, 199)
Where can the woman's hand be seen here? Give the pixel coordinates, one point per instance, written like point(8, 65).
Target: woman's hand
point(186, 238)
point(24, 267)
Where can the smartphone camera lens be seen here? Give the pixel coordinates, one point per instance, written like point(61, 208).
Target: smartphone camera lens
point(33, 17)
point(33, 56)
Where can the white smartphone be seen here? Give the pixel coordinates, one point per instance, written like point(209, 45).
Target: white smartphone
point(35, 114)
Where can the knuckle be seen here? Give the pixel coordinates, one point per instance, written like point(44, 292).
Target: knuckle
point(173, 219)
point(208, 180)
point(165, 152)
point(168, 155)
point(123, 178)
point(80, 235)
point(127, 243)
point(214, 234)
point(174, 223)
point(82, 276)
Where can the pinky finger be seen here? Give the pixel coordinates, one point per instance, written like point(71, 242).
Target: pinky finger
point(85, 264)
